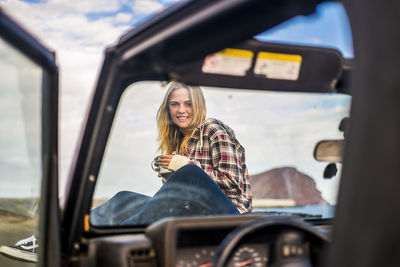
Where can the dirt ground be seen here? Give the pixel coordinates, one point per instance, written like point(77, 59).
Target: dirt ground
point(13, 229)
point(16, 227)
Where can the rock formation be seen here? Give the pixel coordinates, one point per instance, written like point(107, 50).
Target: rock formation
point(286, 184)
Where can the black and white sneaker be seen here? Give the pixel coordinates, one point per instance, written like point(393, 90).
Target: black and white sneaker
point(25, 250)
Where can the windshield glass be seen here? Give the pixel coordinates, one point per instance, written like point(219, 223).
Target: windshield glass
point(278, 133)
point(255, 147)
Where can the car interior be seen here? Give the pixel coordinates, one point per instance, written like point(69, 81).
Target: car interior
point(318, 109)
point(176, 53)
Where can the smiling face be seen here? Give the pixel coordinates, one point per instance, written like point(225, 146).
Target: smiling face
point(180, 108)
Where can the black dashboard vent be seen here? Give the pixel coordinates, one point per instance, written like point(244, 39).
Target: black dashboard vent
point(142, 258)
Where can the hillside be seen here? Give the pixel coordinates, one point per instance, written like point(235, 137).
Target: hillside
point(286, 183)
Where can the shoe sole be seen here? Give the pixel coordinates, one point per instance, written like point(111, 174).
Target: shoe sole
point(19, 254)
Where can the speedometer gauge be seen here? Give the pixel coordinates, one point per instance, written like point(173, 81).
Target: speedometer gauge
point(195, 257)
point(254, 255)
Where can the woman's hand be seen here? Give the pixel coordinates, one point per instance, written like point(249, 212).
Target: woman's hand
point(164, 160)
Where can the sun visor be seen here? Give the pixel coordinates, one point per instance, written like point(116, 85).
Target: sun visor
point(265, 66)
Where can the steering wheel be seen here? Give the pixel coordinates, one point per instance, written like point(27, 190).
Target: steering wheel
point(289, 239)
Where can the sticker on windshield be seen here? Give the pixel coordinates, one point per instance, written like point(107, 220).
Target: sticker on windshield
point(230, 61)
point(278, 66)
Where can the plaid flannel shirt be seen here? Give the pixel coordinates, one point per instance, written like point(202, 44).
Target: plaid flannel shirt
point(214, 148)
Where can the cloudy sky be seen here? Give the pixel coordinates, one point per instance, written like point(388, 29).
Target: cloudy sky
point(79, 31)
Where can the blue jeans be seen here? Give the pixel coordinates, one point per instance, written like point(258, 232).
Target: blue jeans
point(188, 191)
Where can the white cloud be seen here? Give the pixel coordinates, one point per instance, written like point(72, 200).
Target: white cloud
point(146, 6)
point(123, 18)
point(77, 6)
point(79, 43)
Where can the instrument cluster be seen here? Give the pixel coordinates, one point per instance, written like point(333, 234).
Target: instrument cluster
point(246, 255)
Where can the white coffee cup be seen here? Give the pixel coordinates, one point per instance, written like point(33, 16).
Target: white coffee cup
point(164, 172)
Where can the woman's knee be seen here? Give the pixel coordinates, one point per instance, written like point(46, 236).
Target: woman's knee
point(189, 172)
point(128, 196)
point(191, 169)
point(122, 194)
point(191, 176)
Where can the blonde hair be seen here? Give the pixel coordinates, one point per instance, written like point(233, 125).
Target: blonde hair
point(171, 138)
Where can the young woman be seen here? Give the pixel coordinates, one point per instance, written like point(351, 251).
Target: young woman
point(208, 143)
point(208, 164)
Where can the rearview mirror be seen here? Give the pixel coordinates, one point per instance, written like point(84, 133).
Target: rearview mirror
point(329, 151)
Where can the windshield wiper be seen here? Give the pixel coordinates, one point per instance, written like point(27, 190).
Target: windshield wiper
point(295, 214)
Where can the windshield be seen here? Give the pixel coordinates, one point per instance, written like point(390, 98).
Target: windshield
point(278, 132)
point(240, 152)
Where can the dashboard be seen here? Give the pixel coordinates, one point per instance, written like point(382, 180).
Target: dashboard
point(196, 242)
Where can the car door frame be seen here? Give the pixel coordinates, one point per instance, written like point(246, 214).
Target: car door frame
point(49, 211)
